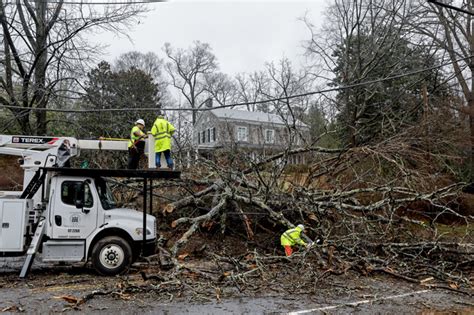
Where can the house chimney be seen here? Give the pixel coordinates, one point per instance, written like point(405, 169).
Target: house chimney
point(209, 102)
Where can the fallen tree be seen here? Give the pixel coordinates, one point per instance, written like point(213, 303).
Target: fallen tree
point(378, 209)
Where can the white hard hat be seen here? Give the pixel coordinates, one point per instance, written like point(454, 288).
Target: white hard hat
point(141, 122)
point(301, 226)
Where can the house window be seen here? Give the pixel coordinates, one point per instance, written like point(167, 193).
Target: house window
point(199, 137)
point(213, 138)
point(269, 136)
point(203, 136)
point(242, 134)
point(208, 135)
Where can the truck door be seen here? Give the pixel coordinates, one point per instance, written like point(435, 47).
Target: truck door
point(72, 219)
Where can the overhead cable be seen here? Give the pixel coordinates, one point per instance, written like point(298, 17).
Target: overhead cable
point(112, 2)
point(448, 6)
point(202, 109)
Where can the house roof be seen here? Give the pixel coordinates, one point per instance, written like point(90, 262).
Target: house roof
point(261, 117)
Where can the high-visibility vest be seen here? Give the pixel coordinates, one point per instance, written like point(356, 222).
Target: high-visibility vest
point(162, 130)
point(292, 237)
point(133, 138)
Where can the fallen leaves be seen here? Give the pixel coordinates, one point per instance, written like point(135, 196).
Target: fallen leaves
point(70, 299)
point(122, 296)
point(183, 256)
point(453, 285)
point(209, 224)
point(75, 302)
point(427, 280)
point(13, 309)
point(249, 256)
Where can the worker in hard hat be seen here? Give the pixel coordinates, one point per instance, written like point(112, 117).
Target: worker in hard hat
point(291, 238)
point(163, 130)
point(136, 144)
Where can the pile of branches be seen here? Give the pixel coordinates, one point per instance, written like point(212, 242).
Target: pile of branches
point(377, 208)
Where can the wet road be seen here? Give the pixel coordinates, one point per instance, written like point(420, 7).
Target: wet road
point(46, 288)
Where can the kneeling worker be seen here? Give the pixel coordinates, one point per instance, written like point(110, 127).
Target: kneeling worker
point(136, 144)
point(291, 238)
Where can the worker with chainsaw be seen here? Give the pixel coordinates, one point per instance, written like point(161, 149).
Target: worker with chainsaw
point(136, 144)
point(291, 238)
point(163, 130)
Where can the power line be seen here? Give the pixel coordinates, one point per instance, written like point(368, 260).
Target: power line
point(86, 2)
point(149, 109)
point(441, 4)
point(109, 3)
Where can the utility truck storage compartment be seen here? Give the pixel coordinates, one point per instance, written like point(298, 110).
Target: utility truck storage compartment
point(63, 251)
point(13, 223)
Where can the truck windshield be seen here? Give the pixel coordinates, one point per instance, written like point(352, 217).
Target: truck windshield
point(105, 194)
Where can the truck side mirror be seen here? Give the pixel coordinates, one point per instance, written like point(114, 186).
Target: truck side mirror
point(79, 203)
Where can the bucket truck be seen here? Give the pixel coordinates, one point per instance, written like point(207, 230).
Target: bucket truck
point(69, 214)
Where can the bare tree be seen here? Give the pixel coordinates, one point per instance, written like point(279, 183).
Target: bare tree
point(250, 88)
point(188, 70)
point(221, 88)
point(452, 32)
point(149, 63)
point(286, 81)
point(369, 41)
point(152, 65)
point(45, 44)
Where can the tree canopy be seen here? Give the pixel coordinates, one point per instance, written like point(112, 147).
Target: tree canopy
point(126, 88)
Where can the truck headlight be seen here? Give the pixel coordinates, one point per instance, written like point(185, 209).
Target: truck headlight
point(139, 231)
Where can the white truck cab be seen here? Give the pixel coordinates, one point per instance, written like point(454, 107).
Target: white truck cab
point(82, 214)
point(70, 215)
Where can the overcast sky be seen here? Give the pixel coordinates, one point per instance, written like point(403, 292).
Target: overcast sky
point(243, 34)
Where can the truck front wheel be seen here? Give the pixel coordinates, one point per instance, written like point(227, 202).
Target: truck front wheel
point(111, 256)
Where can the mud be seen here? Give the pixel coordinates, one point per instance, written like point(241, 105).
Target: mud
point(48, 287)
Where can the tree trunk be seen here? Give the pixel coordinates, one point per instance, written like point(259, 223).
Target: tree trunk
point(22, 116)
point(40, 96)
point(470, 100)
point(471, 126)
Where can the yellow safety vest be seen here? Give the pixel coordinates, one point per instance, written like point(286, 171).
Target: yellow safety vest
point(292, 237)
point(134, 138)
point(162, 131)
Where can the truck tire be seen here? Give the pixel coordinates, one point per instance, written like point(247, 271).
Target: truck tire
point(111, 256)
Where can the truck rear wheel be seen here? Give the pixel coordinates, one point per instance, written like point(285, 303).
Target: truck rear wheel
point(111, 256)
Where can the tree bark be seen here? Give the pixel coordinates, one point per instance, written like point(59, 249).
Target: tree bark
point(40, 69)
point(471, 98)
